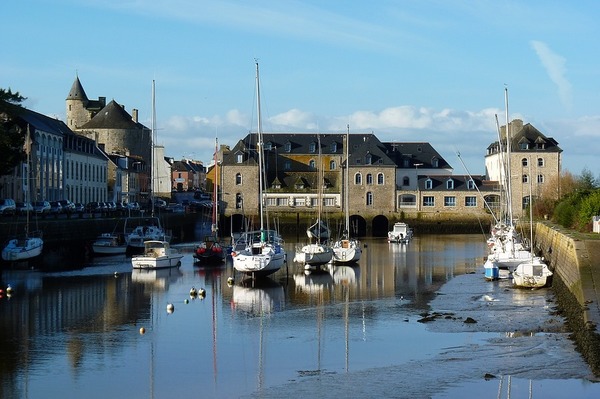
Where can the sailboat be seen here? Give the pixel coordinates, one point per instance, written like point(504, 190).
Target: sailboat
point(506, 247)
point(533, 273)
point(265, 255)
point(316, 252)
point(150, 228)
point(346, 249)
point(30, 244)
point(211, 250)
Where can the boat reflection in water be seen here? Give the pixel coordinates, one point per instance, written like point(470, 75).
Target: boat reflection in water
point(257, 297)
point(159, 278)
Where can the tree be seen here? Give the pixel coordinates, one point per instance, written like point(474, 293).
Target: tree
point(586, 181)
point(12, 137)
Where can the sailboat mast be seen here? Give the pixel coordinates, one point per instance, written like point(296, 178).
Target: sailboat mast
point(346, 184)
point(508, 160)
point(215, 191)
point(152, 133)
point(259, 146)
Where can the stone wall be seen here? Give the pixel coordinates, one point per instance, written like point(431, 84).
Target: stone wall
point(574, 263)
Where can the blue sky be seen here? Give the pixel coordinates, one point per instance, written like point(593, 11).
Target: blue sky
point(427, 70)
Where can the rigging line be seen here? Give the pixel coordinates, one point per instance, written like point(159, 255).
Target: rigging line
point(476, 188)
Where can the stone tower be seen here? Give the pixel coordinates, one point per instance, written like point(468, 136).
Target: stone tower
point(80, 109)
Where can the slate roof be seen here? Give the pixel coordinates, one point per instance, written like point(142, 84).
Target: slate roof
point(438, 183)
point(528, 134)
point(407, 155)
point(113, 116)
point(77, 92)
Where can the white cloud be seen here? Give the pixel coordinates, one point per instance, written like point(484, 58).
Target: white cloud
point(555, 66)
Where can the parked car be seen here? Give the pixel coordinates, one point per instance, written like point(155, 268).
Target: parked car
point(79, 207)
point(41, 207)
point(56, 208)
point(93, 207)
point(134, 206)
point(111, 206)
point(67, 206)
point(24, 208)
point(8, 206)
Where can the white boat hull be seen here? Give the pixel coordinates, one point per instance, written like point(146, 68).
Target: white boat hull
point(157, 255)
point(23, 249)
point(346, 251)
point(259, 260)
point(532, 274)
point(314, 254)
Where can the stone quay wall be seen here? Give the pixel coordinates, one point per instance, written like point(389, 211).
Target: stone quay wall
point(575, 263)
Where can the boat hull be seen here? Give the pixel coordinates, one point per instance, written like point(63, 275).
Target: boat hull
point(314, 255)
point(18, 250)
point(259, 262)
point(149, 262)
point(531, 275)
point(346, 251)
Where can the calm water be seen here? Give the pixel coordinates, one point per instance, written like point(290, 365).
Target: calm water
point(351, 331)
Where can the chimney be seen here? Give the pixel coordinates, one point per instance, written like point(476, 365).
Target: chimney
point(134, 115)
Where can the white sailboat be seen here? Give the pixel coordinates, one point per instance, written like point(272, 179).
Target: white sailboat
point(533, 273)
point(316, 252)
point(506, 248)
point(30, 244)
point(263, 256)
point(150, 229)
point(346, 250)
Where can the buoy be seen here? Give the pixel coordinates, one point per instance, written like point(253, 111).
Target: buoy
point(230, 281)
point(202, 292)
point(193, 291)
point(116, 274)
point(170, 308)
point(142, 330)
point(9, 290)
point(186, 301)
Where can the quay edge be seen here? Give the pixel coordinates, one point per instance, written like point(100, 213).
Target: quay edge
point(575, 260)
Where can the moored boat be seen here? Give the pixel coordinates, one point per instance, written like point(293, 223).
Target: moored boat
point(532, 274)
point(400, 233)
point(109, 244)
point(157, 254)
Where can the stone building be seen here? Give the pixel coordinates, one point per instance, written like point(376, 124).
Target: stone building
point(531, 159)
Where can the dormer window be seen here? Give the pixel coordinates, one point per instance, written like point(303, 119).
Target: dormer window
point(428, 184)
point(288, 147)
point(311, 164)
point(333, 147)
point(287, 165)
point(268, 146)
point(368, 159)
point(435, 162)
point(450, 184)
point(470, 184)
point(239, 158)
point(312, 147)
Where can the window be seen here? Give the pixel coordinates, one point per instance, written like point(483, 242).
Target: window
point(239, 158)
point(287, 165)
point(333, 147)
point(368, 159)
point(524, 162)
point(369, 179)
point(380, 179)
point(239, 202)
point(312, 147)
point(358, 178)
point(541, 162)
point(369, 198)
point(332, 165)
point(449, 201)
point(238, 179)
point(406, 181)
point(524, 146)
point(470, 201)
point(526, 201)
point(282, 202)
point(435, 162)
point(428, 184)
point(268, 146)
point(428, 200)
point(328, 201)
point(540, 178)
point(450, 184)
point(470, 184)
point(311, 164)
point(525, 179)
point(288, 147)
point(271, 201)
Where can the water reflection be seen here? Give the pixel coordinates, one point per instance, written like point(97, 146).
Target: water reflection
point(258, 334)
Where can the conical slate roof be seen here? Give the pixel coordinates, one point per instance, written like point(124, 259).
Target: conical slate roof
point(113, 116)
point(77, 92)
